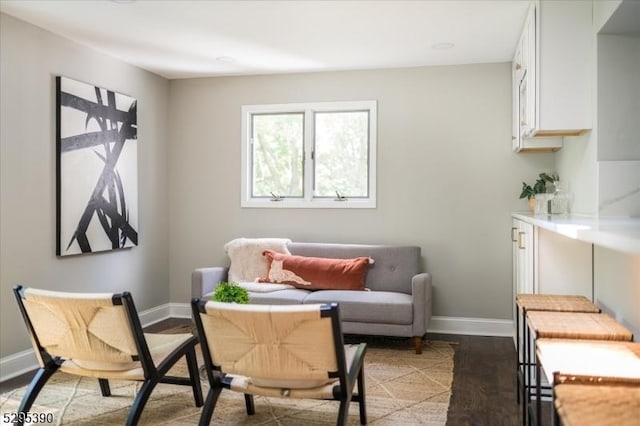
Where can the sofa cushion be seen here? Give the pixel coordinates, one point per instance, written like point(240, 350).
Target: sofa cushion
point(316, 273)
point(280, 297)
point(368, 306)
point(245, 254)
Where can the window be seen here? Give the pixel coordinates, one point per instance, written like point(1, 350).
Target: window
point(309, 155)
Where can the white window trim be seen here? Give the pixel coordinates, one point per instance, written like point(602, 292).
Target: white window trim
point(308, 201)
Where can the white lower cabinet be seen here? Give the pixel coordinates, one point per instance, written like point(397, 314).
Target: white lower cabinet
point(522, 237)
point(545, 262)
point(523, 259)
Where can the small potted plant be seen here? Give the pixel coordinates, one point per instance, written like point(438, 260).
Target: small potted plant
point(540, 187)
point(230, 292)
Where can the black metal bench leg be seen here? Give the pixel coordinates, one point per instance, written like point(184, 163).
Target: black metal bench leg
point(538, 394)
point(518, 362)
point(526, 395)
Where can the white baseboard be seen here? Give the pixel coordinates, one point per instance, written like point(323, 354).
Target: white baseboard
point(14, 365)
point(471, 326)
point(154, 315)
point(25, 361)
point(180, 310)
point(445, 325)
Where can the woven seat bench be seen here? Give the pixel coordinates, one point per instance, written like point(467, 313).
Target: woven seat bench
point(539, 302)
point(597, 405)
point(593, 362)
point(569, 325)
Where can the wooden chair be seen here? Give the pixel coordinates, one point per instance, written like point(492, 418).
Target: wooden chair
point(288, 351)
point(99, 335)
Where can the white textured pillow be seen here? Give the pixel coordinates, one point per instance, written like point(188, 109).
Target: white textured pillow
point(247, 262)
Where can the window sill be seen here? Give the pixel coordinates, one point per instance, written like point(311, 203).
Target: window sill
point(308, 204)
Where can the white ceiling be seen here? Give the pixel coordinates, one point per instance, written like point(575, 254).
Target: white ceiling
point(186, 38)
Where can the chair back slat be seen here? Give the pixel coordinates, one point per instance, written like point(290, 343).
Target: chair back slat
point(267, 342)
point(82, 327)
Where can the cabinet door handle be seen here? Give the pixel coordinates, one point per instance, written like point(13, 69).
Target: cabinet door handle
point(521, 241)
point(513, 234)
point(518, 66)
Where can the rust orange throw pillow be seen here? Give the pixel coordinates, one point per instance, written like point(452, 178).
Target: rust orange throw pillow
point(316, 273)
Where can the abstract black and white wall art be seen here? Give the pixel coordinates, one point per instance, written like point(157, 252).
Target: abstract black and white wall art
point(97, 173)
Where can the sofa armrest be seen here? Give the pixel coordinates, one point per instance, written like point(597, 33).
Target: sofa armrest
point(205, 280)
point(421, 293)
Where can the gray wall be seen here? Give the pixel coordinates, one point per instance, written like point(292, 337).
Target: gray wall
point(447, 178)
point(30, 60)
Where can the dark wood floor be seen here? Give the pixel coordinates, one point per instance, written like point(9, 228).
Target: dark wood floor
point(483, 384)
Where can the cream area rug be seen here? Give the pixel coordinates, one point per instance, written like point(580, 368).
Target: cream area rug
point(402, 389)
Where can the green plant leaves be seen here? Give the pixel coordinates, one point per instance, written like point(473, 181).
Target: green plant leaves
point(540, 187)
point(230, 292)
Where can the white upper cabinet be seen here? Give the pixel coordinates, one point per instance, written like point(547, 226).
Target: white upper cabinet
point(552, 74)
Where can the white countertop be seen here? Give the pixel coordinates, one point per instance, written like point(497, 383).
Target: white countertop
point(617, 233)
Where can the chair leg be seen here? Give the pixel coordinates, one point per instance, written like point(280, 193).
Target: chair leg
point(141, 399)
point(36, 385)
point(362, 400)
point(209, 406)
point(343, 412)
point(194, 374)
point(104, 387)
point(248, 401)
point(417, 342)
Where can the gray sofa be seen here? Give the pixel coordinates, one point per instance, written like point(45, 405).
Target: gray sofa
point(398, 303)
